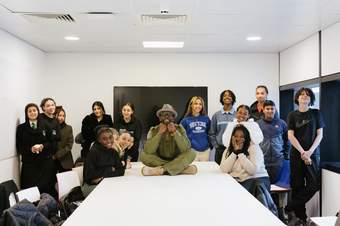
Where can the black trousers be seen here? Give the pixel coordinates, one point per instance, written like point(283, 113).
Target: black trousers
point(40, 173)
point(218, 154)
point(305, 182)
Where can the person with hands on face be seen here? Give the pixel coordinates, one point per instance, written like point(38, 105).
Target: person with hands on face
point(243, 159)
point(167, 149)
point(34, 146)
point(305, 132)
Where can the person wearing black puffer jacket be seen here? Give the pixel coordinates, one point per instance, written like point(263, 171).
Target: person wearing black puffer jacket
point(90, 122)
point(127, 122)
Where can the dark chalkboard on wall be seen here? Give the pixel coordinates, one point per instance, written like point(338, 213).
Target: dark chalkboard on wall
point(148, 99)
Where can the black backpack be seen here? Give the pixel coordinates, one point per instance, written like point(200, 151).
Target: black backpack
point(73, 200)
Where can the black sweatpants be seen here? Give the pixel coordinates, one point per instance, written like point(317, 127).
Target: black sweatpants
point(305, 182)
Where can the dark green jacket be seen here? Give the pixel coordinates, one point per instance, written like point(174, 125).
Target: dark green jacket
point(65, 144)
point(167, 146)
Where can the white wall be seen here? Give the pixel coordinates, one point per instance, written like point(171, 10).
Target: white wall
point(21, 67)
point(300, 62)
point(330, 193)
point(76, 80)
point(330, 50)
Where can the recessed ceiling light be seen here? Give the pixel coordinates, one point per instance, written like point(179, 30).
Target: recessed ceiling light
point(254, 38)
point(71, 38)
point(163, 44)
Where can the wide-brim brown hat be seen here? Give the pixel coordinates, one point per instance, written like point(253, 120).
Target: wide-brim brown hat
point(166, 108)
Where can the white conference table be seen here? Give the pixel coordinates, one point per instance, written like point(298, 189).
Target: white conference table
point(324, 221)
point(209, 198)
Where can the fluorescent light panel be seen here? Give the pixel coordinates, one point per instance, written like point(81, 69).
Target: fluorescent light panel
point(254, 38)
point(71, 38)
point(163, 44)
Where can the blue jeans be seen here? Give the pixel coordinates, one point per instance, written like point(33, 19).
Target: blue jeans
point(250, 183)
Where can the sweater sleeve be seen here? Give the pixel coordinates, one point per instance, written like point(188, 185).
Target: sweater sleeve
point(181, 139)
point(152, 142)
point(250, 164)
point(86, 129)
point(119, 168)
point(90, 172)
point(227, 133)
point(227, 162)
point(255, 132)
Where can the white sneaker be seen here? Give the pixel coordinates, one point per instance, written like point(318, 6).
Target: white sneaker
point(152, 171)
point(191, 169)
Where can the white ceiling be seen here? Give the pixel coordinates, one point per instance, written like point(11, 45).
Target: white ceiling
point(213, 26)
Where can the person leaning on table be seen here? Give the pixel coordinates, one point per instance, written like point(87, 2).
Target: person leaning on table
point(102, 161)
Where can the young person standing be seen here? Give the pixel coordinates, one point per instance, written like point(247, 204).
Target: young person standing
point(34, 146)
point(90, 122)
point(220, 121)
point(305, 132)
point(127, 122)
point(197, 124)
point(275, 145)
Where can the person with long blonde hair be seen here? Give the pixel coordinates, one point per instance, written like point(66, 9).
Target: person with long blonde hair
point(197, 124)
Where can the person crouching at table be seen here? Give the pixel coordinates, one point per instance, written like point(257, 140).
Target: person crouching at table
point(102, 161)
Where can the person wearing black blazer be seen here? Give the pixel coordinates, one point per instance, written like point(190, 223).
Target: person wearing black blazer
point(33, 144)
point(90, 122)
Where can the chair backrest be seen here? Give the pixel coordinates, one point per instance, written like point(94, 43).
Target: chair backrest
point(31, 194)
point(79, 171)
point(7, 195)
point(66, 181)
point(283, 179)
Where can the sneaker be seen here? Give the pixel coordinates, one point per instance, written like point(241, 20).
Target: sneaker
point(292, 219)
point(191, 169)
point(152, 171)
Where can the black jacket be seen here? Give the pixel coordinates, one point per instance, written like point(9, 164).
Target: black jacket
point(134, 127)
point(102, 162)
point(89, 124)
point(26, 137)
point(54, 128)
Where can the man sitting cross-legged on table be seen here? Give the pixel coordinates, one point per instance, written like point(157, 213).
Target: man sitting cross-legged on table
point(167, 149)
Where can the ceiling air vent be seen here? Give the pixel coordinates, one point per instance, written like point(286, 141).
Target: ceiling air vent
point(160, 19)
point(48, 17)
point(65, 18)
